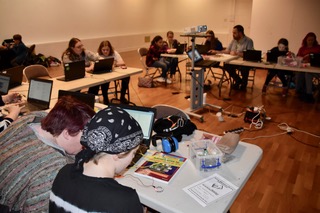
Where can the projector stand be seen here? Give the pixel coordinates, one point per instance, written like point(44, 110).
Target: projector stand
point(197, 80)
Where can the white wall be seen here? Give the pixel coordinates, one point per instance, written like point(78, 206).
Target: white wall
point(51, 23)
point(291, 19)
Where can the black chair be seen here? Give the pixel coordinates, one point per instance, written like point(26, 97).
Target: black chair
point(30, 55)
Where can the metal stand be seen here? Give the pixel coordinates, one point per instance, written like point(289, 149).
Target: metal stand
point(197, 80)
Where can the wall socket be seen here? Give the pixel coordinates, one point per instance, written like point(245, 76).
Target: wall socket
point(147, 39)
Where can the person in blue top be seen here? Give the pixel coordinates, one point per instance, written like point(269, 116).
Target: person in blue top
point(20, 50)
point(212, 42)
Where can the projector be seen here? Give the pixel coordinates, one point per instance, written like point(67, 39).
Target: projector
point(196, 29)
point(202, 28)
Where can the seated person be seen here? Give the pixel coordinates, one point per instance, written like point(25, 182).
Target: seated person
point(239, 44)
point(171, 42)
point(34, 148)
point(212, 43)
point(12, 100)
point(76, 52)
point(280, 50)
point(106, 50)
point(303, 79)
point(171, 45)
point(110, 141)
point(20, 50)
point(154, 59)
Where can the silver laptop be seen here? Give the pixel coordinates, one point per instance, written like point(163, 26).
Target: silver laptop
point(4, 84)
point(39, 95)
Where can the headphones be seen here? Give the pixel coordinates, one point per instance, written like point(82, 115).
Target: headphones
point(169, 143)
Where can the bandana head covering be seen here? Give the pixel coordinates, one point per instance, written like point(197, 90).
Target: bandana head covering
point(111, 130)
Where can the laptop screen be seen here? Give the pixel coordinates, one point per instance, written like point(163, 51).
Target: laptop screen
point(144, 116)
point(197, 55)
point(4, 84)
point(40, 90)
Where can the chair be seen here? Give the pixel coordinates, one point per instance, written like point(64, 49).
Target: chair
point(164, 110)
point(116, 90)
point(150, 71)
point(251, 76)
point(34, 71)
point(30, 55)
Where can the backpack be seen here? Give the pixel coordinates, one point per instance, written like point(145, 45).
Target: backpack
point(175, 126)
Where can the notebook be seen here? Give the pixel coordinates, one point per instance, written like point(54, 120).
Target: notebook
point(202, 49)
point(16, 75)
point(272, 57)
point(4, 84)
point(103, 65)
point(198, 60)
point(181, 48)
point(86, 98)
point(39, 95)
point(73, 71)
point(315, 60)
point(252, 55)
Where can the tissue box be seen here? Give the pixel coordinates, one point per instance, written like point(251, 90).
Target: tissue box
point(205, 155)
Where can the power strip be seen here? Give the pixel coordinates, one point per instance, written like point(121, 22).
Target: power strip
point(237, 130)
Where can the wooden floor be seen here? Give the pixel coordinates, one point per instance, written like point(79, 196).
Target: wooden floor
point(288, 176)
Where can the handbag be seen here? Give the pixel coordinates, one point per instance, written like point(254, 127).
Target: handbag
point(145, 82)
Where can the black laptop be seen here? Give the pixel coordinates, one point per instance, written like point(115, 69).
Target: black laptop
point(202, 49)
point(103, 65)
point(4, 84)
point(252, 55)
point(16, 75)
point(73, 71)
point(86, 98)
point(198, 60)
point(315, 59)
point(181, 48)
point(272, 57)
point(39, 95)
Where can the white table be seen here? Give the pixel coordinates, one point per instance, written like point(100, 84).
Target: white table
point(174, 199)
point(88, 81)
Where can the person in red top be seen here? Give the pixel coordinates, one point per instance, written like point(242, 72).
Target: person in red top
point(304, 80)
point(154, 59)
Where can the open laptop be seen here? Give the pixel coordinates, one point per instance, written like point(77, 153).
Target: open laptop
point(145, 117)
point(103, 66)
point(4, 84)
point(73, 71)
point(181, 48)
point(16, 75)
point(86, 98)
point(199, 61)
point(202, 49)
point(315, 59)
point(39, 95)
point(272, 57)
point(252, 55)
